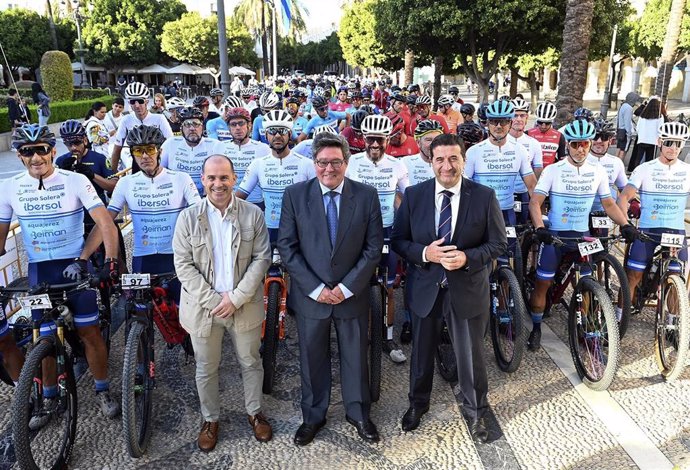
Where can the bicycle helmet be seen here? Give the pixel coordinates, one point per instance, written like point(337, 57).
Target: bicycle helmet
point(583, 113)
point(399, 97)
point(246, 91)
point(453, 89)
point(422, 100)
point(190, 113)
point(546, 112)
point(413, 88)
point(238, 112)
point(71, 129)
point(426, 126)
point(467, 109)
point(521, 105)
point(136, 90)
point(357, 118)
point(268, 100)
point(325, 128)
point(501, 109)
point(579, 129)
point(232, 102)
point(504, 98)
point(471, 133)
point(395, 89)
point(216, 92)
point(481, 112)
point(355, 95)
point(200, 102)
point(319, 102)
point(603, 128)
point(398, 124)
point(32, 134)
point(411, 100)
point(444, 100)
point(145, 135)
point(674, 131)
point(292, 100)
point(277, 118)
point(377, 124)
point(175, 103)
point(319, 91)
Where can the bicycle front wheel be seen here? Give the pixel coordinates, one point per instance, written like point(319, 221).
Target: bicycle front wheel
point(593, 334)
point(376, 293)
point(271, 331)
point(611, 275)
point(672, 328)
point(50, 445)
point(137, 390)
point(507, 325)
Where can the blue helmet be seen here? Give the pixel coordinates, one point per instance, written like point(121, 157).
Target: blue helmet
point(579, 129)
point(71, 129)
point(32, 134)
point(500, 109)
point(583, 113)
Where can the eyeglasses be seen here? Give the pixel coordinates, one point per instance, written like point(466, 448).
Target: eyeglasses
point(579, 144)
point(137, 101)
point(322, 108)
point(237, 123)
point(277, 131)
point(453, 93)
point(371, 140)
point(140, 150)
point(543, 123)
point(73, 142)
point(40, 150)
point(192, 123)
point(499, 122)
point(336, 164)
point(672, 143)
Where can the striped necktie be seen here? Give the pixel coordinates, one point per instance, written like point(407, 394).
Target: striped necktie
point(444, 225)
point(332, 217)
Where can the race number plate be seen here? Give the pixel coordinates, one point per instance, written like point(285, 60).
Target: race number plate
point(602, 222)
point(510, 232)
point(385, 250)
point(672, 240)
point(589, 248)
point(517, 206)
point(41, 302)
point(136, 281)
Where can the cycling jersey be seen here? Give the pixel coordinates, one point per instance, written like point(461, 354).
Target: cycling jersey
point(663, 193)
point(571, 192)
point(130, 121)
point(298, 125)
point(98, 135)
point(497, 167)
point(387, 175)
point(616, 173)
point(330, 120)
point(154, 205)
point(339, 106)
point(52, 218)
point(552, 144)
point(409, 147)
point(534, 154)
point(258, 131)
point(432, 117)
point(96, 162)
point(453, 119)
point(303, 149)
point(273, 175)
point(380, 98)
point(241, 157)
point(218, 129)
point(177, 155)
point(417, 169)
point(354, 140)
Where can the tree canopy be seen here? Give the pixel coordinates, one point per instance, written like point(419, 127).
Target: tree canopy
point(647, 32)
point(313, 56)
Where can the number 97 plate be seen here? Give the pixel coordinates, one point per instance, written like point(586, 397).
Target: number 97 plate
point(135, 281)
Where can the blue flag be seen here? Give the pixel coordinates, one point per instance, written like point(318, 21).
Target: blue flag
point(287, 15)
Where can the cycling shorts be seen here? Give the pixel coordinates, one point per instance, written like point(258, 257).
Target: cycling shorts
point(550, 256)
point(510, 220)
point(159, 264)
point(641, 253)
point(389, 260)
point(522, 216)
point(82, 304)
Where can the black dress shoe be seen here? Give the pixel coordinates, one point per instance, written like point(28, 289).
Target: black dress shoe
point(412, 417)
point(306, 432)
point(365, 429)
point(478, 431)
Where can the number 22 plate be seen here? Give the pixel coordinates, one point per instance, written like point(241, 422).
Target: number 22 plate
point(41, 301)
point(136, 281)
point(589, 248)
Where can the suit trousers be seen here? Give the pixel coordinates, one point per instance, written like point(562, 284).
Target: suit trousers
point(207, 353)
point(315, 366)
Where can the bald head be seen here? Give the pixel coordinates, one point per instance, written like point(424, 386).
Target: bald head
point(218, 178)
point(217, 158)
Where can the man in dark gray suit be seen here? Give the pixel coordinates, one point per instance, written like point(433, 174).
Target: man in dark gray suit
point(330, 240)
point(449, 229)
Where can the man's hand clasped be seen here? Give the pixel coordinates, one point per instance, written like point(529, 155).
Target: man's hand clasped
point(331, 296)
point(225, 308)
point(447, 256)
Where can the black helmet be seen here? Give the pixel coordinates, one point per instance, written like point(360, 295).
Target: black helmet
point(319, 102)
point(357, 118)
point(395, 89)
point(294, 99)
point(603, 128)
point(412, 88)
point(145, 135)
point(467, 109)
point(583, 113)
point(200, 102)
point(471, 133)
point(398, 97)
point(216, 92)
point(411, 100)
point(190, 113)
point(32, 134)
point(72, 129)
point(427, 125)
point(453, 90)
point(481, 112)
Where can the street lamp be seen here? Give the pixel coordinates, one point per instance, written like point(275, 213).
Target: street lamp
point(81, 52)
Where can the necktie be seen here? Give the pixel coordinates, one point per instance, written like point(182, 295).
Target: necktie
point(332, 217)
point(444, 226)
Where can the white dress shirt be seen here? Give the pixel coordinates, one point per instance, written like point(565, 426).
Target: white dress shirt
point(221, 233)
point(454, 207)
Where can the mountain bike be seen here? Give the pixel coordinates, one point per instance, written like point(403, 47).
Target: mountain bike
point(275, 304)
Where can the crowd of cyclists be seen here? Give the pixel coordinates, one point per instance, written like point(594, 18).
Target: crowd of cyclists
point(66, 205)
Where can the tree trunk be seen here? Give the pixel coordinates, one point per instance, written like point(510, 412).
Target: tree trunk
point(496, 85)
point(533, 90)
point(513, 81)
point(438, 71)
point(409, 67)
point(576, 40)
point(51, 25)
point(670, 50)
point(264, 43)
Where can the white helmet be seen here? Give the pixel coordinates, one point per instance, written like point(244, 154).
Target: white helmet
point(136, 90)
point(546, 112)
point(521, 105)
point(445, 99)
point(325, 128)
point(175, 103)
point(233, 102)
point(674, 131)
point(268, 100)
point(423, 99)
point(377, 124)
point(277, 118)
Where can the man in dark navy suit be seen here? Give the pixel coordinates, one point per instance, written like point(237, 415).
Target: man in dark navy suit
point(330, 240)
point(449, 229)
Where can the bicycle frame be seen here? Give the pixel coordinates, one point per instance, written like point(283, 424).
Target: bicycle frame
point(276, 273)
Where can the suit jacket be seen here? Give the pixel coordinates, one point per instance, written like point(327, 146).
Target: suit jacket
point(193, 248)
point(305, 247)
point(479, 232)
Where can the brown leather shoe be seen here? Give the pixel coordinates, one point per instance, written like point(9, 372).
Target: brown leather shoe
point(208, 437)
point(262, 428)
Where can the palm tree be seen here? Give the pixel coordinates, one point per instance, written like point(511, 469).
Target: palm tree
point(257, 15)
point(409, 67)
point(669, 54)
point(573, 75)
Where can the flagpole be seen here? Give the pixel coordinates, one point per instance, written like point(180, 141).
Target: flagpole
point(275, 44)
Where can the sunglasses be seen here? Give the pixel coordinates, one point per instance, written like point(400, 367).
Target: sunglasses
point(499, 122)
point(40, 150)
point(192, 123)
point(543, 123)
point(322, 108)
point(336, 164)
point(672, 143)
point(137, 101)
point(371, 140)
point(579, 144)
point(237, 123)
point(139, 151)
point(601, 137)
point(72, 142)
point(277, 131)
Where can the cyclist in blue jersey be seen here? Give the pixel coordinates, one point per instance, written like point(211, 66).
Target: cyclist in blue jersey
point(267, 102)
point(571, 185)
point(324, 117)
point(517, 135)
point(298, 122)
point(663, 186)
point(49, 203)
point(304, 148)
point(218, 128)
point(276, 171)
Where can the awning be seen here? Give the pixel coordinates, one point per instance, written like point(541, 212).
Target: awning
point(155, 68)
point(76, 66)
point(240, 71)
point(183, 69)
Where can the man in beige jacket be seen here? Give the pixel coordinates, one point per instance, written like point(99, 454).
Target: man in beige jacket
point(222, 253)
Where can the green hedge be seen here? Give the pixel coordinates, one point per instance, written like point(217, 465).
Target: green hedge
point(60, 111)
point(79, 94)
point(58, 81)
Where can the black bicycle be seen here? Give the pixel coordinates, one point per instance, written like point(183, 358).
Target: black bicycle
point(275, 305)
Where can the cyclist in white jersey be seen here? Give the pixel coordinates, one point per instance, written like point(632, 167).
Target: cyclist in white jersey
point(276, 171)
point(571, 185)
point(389, 176)
point(613, 165)
point(138, 96)
point(187, 153)
point(419, 166)
point(663, 186)
point(49, 204)
point(517, 135)
point(242, 150)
